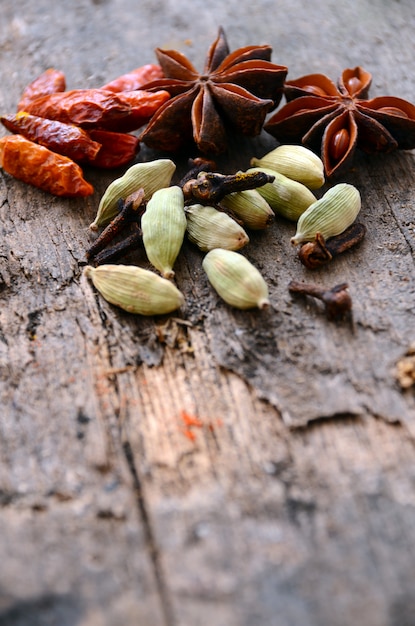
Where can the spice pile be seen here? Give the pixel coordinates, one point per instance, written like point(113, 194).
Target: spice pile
point(57, 131)
point(213, 210)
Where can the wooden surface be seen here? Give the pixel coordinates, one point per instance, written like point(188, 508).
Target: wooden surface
point(295, 503)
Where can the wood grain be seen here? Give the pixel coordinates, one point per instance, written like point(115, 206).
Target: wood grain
point(214, 466)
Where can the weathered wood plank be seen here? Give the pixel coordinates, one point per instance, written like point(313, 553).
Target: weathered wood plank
point(256, 521)
point(72, 539)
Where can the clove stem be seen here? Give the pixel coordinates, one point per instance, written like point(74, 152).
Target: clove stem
point(120, 249)
point(127, 212)
point(337, 300)
point(316, 253)
point(212, 187)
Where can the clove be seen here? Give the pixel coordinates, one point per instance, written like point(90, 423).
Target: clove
point(212, 187)
point(128, 212)
point(113, 253)
point(197, 165)
point(314, 254)
point(337, 300)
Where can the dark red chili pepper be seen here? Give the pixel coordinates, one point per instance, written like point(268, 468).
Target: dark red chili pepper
point(51, 81)
point(143, 106)
point(67, 139)
point(87, 108)
point(117, 149)
point(38, 166)
point(135, 79)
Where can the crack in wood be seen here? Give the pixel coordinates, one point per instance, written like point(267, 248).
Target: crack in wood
point(333, 418)
point(151, 541)
point(405, 231)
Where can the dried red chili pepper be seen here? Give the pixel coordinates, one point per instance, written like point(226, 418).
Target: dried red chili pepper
point(117, 149)
point(51, 81)
point(135, 79)
point(66, 139)
point(143, 106)
point(87, 108)
point(100, 148)
point(38, 166)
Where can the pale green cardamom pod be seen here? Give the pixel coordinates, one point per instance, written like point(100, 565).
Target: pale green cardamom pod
point(250, 207)
point(296, 162)
point(164, 226)
point(135, 289)
point(329, 216)
point(286, 197)
point(209, 228)
point(235, 279)
point(149, 176)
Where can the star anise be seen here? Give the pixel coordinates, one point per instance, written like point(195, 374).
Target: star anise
point(236, 90)
point(334, 121)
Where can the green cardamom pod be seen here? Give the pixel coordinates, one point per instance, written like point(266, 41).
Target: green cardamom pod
point(285, 196)
point(209, 228)
point(235, 279)
point(149, 176)
point(330, 215)
point(296, 162)
point(164, 226)
point(250, 207)
point(135, 289)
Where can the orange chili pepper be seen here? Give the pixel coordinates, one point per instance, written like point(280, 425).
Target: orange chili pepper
point(135, 79)
point(51, 81)
point(87, 108)
point(66, 139)
point(117, 149)
point(38, 166)
point(143, 106)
